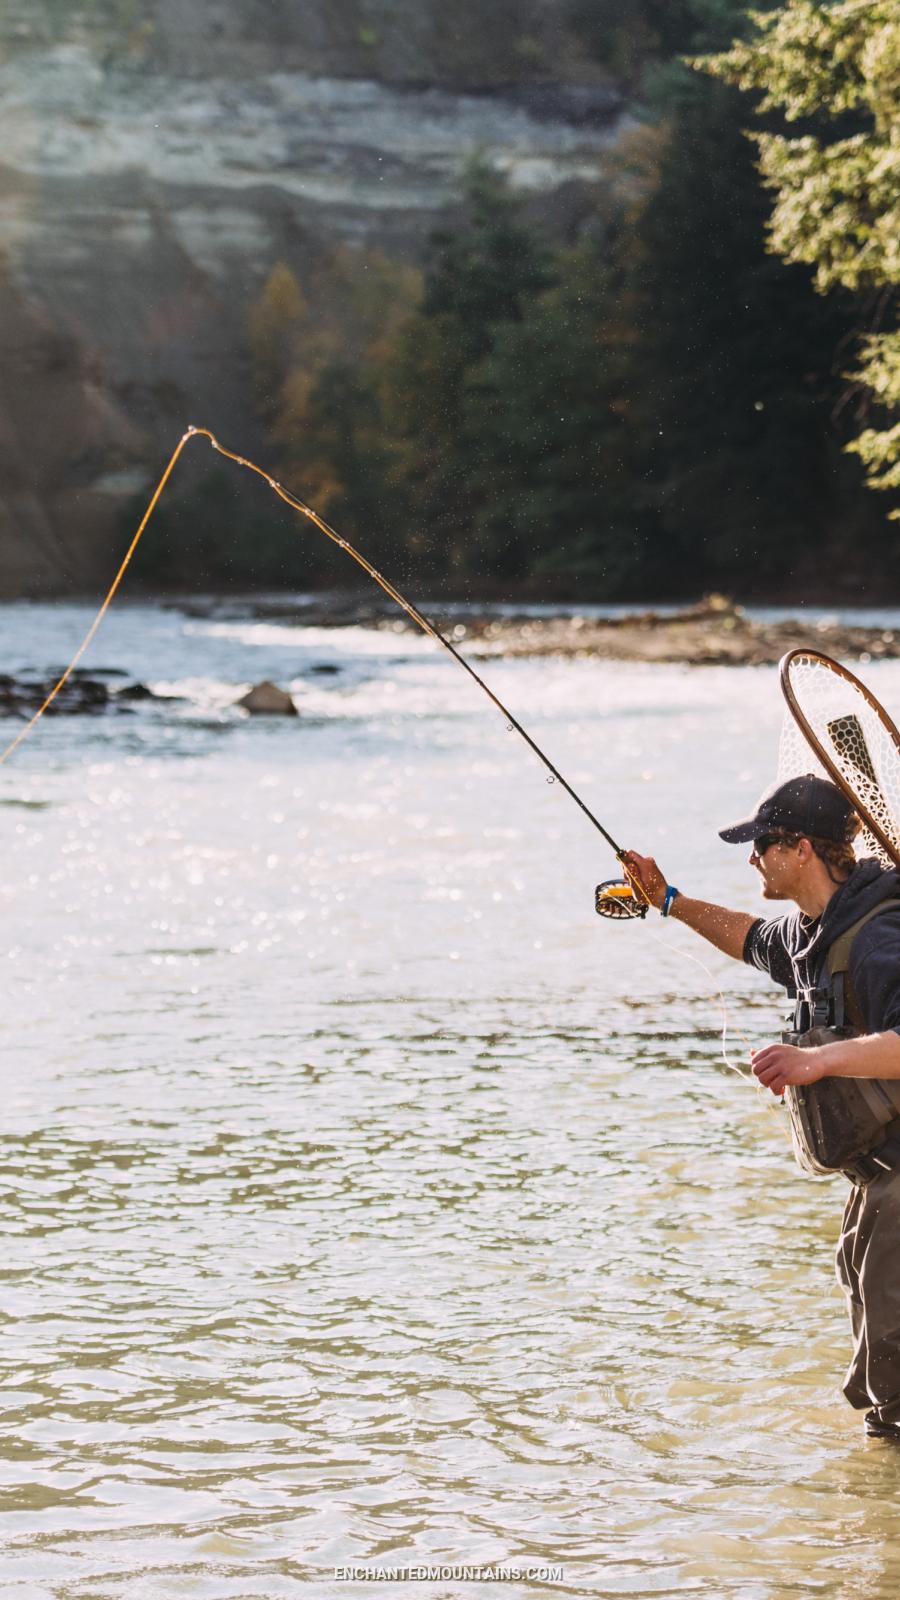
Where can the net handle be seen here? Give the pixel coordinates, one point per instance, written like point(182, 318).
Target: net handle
point(812, 739)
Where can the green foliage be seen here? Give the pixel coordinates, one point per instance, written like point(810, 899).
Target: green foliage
point(314, 350)
point(483, 277)
point(734, 363)
point(648, 419)
point(652, 415)
point(485, 271)
point(275, 326)
point(554, 484)
point(837, 190)
point(809, 57)
point(879, 449)
point(340, 456)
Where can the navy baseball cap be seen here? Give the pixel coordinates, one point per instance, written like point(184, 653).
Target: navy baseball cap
point(808, 805)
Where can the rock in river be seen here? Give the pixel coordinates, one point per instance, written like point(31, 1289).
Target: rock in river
point(83, 692)
point(267, 700)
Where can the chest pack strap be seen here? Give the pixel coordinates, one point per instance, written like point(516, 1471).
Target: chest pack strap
point(846, 1006)
point(849, 1125)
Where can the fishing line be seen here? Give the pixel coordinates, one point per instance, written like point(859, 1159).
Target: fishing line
point(343, 544)
point(767, 1102)
point(23, 734)
point(720, 993)
point(426, 626)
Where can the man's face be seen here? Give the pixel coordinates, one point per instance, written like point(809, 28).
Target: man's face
point(778, 867)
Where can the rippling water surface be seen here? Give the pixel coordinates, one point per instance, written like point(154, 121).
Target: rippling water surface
point(367, 1201)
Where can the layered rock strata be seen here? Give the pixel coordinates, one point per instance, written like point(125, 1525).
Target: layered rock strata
point(157, 161)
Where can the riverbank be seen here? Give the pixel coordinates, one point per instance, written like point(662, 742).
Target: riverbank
point(714, 632)
point(710, 634)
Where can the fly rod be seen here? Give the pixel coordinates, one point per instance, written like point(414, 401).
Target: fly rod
point(624, 891)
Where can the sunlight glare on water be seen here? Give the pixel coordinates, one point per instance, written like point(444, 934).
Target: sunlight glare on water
point(367, 1200)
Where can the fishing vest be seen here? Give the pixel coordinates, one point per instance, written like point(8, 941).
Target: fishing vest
point(848, 1125)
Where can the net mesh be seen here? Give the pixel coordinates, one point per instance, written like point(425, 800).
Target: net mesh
point(862, 746)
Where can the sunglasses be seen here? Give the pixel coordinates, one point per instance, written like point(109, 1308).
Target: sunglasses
point(766, 841)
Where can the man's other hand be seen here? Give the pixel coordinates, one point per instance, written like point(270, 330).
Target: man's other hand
point(777, 1065)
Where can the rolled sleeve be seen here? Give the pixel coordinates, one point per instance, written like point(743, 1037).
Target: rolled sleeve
point(750, 943)
point(767, 947)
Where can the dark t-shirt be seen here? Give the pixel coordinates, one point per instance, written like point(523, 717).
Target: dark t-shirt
point(793, 949)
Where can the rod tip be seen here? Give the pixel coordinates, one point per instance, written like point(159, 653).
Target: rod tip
point(193, 431)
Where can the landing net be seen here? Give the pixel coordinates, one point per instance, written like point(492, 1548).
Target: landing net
point(835, 727)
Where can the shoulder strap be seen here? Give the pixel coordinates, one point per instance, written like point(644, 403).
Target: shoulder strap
point(838, 964)
point(838, 957)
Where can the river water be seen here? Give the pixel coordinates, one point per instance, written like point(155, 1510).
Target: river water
point(367, 1201)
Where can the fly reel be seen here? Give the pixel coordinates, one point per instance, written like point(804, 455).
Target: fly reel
point(616, 898)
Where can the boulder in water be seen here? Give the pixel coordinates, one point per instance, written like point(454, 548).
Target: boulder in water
point(267, 700)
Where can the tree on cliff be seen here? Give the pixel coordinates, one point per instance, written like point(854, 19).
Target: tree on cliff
point(835, 68)
point(555, 490)
point(273, 326)
point(649, 411)
point(315, 351)
point(484, 276)
point(732, 361)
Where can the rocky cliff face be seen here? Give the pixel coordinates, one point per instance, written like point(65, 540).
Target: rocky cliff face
point(157, 160)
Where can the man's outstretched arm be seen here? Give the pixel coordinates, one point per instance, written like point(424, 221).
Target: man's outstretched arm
point(727, 930)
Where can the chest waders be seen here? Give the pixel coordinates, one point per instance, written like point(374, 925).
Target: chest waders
point(848, 1125)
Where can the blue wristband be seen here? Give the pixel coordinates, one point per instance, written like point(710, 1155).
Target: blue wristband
point(671, 894)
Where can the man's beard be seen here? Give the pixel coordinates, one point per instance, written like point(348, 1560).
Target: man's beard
point(768, 893)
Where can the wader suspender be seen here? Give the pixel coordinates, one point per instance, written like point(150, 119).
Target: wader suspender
point(833, 1004)
point(846, 1005)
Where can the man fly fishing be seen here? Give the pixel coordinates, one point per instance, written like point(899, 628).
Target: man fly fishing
point(838, 954)
point(838, 957)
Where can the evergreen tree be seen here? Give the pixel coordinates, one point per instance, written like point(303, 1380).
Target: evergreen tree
point(556, 495)
point(837, 184)
point(735, 359)
point(652, 415)
point(484, 276)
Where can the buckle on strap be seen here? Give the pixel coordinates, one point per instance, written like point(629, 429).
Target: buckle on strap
point(862, 1171)
point(875, 1163)
point(888, 1152)
point(813, 1009)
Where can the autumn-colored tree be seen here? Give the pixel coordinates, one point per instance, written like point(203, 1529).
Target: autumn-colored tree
point(274, 325)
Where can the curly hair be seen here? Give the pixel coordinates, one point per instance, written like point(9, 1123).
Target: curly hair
point(838, 856)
